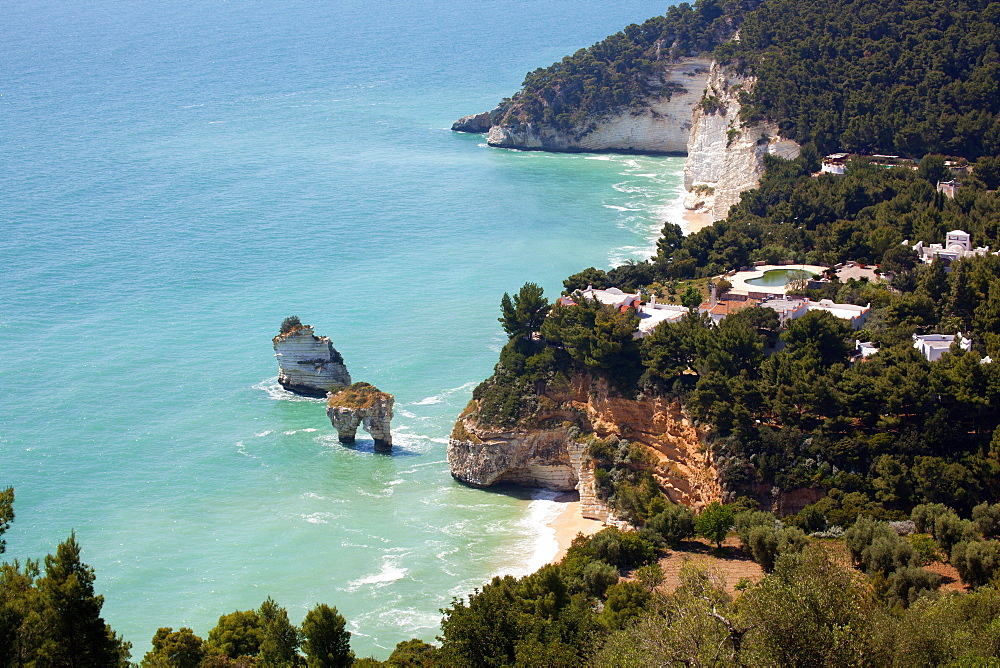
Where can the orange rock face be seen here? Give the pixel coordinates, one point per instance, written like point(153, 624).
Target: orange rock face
point(483, 456)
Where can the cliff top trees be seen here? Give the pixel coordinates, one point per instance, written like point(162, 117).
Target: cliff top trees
point(525, 313)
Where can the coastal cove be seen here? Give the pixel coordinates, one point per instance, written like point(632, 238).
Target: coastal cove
point(173, 193)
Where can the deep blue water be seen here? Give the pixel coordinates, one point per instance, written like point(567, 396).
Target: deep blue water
point(175, 179)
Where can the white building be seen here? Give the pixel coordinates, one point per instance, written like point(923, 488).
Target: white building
point(790, 309)
point(957, 245)
point(933, 346)
point(865, 348)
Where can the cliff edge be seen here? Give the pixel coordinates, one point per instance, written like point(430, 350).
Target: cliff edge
point(724, 155)
point(550, 451)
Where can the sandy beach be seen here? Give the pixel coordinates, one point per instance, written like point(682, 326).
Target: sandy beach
point(568, 523)
point(695, 220)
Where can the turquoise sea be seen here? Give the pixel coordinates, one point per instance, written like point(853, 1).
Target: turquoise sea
point(175, 179)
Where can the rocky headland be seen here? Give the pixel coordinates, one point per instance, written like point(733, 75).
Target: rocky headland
point(698, 116)
point(362, 404)
point(308, 364)
point(550, 449)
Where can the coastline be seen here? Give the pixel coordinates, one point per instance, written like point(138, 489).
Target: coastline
point(568, 523)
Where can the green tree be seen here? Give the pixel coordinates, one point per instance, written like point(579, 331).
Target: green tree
point(325, 640)
point(238, 634)
point(413, 653)
point(290, 323)
point(6, 514)
point(714, 522)
point(75, 633)
point(279, 639)
point(181, 648)
point(691, 298)
point(525, 312)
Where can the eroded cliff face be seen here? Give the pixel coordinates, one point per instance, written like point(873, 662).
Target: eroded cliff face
point(549, 452)
point(724, 156)
point(656, 125)
point(309, 364)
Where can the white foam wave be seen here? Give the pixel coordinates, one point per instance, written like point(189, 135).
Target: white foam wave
point(390, 572)
point(278, 393)
point(428, 401)
point(320, 518)
point(407, 414)
point(541, 541)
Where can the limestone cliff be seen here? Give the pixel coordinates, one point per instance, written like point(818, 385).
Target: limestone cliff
point(549, 452)
point(725, 156)
point(362, 404)
point(654, 125)
point(309, 364)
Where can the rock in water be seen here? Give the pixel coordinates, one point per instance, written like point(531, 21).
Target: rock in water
point(474, 123)
point(309, 364)
point(362, 404)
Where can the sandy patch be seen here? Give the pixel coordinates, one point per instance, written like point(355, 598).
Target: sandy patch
point(569, 522)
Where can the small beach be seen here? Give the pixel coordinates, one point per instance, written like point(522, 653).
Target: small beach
point(569, 522)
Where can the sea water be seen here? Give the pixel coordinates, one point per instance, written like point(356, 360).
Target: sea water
point(175, 179)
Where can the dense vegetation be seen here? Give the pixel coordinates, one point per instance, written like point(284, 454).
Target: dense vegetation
point(623, 69)
point(914, 77)
point(911, 78)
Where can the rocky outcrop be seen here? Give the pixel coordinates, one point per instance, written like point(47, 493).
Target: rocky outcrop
point(309, 364)
point(725, 156)
point(362, 404)
point(654, 125)
point(474, 123)
point(549, 452)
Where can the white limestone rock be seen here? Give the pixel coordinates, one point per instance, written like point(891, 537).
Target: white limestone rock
point(657, 125)
point(309, 364)
point(724, 156)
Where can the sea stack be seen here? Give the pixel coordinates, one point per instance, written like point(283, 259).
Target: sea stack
point(362, 404)
point(308, 364)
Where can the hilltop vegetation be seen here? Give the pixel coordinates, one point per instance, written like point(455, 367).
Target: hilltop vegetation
point(624, 68)
point(914, 77)
point(910, 78)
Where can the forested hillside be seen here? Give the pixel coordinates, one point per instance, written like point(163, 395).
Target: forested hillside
point(914, 77)
point(908, 78)
point(623, 69)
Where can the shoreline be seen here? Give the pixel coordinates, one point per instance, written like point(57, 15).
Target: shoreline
point(568, 523)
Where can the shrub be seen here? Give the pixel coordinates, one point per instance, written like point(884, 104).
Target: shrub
point(925, 515)
point(670, 526)
point(623, 549)
point(949, 529)
point(745, 521)
point(865, 532)
point(986, 519)
point(907, 584)
point(598, 576)
point(290, 323)
point(976, 561)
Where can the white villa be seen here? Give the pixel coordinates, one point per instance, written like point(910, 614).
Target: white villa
point(790, 309)
point(957, 245)
point(650, 314)
point(933, 346)
point(865, 348)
